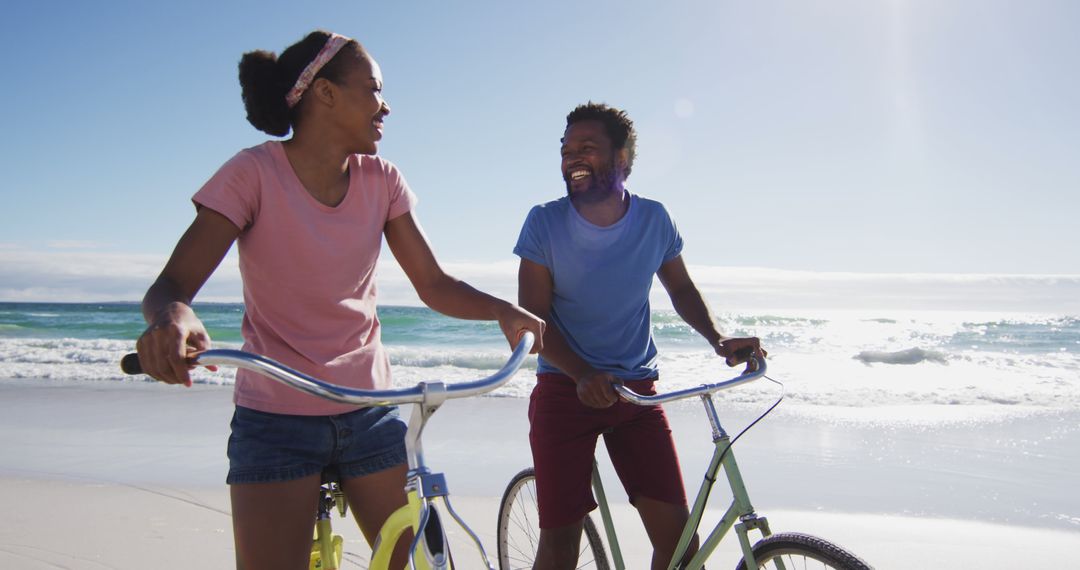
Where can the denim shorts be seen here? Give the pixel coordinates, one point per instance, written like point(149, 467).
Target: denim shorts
point(268, 448)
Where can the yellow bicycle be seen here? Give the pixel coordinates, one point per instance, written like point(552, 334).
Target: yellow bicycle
point(429, 549)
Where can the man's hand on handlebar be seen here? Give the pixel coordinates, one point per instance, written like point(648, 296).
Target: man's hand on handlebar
point(595, 389)
point(735, 351)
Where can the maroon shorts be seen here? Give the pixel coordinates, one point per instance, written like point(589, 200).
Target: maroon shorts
point(563, 434)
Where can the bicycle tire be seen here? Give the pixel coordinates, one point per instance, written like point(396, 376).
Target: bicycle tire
point(519, 528)
point(795, 549)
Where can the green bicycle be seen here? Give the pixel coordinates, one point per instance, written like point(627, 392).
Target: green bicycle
point(518, 529)
point(429, 549)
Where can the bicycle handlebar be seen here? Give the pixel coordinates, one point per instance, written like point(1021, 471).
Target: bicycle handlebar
point(356, 396)
point(635, 398)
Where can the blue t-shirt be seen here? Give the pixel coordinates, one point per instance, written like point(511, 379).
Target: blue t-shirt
point(602, 277)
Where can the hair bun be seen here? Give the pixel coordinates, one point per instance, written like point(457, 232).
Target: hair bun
point(263, 93)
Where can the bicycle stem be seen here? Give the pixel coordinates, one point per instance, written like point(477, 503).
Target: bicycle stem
point(432, 395)
point(714, 418)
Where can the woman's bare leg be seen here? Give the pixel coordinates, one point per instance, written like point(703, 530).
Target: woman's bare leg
point(373, 498)
point(273, 523)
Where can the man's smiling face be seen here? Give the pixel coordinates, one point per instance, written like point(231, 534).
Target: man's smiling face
point(589, 163)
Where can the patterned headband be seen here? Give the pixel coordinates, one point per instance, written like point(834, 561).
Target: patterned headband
point(333, 45)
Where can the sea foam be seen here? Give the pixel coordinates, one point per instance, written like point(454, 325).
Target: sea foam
point(909, 356)
point(827, 360)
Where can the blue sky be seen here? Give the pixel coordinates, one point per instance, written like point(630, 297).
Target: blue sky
point(839, 137)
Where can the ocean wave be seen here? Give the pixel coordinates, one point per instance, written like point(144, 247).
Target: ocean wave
point(72, 359)
point(970, 362)
point(908, 356)
point(467, 360)
point(1069, 519)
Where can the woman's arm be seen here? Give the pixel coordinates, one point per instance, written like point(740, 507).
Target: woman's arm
point(174, 332)
point(448, 295)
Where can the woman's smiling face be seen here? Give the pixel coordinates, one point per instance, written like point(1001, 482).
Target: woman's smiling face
point(363, 106)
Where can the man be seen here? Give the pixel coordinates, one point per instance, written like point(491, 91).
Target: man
point(587, 265)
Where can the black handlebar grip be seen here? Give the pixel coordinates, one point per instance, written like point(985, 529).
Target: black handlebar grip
point(130, 364)
point(745, 354)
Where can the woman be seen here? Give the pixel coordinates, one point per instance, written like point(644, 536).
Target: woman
point(308, 214)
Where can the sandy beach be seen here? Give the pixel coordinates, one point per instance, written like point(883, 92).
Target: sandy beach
point(130, 475)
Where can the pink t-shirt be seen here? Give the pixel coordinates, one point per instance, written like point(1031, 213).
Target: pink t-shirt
point(308, 272)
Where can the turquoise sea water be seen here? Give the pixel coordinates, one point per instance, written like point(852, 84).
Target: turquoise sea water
point(974, 362)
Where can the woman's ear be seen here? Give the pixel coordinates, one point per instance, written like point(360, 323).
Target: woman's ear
point(324, 91)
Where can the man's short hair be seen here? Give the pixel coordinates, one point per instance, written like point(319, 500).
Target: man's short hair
point(617, 124)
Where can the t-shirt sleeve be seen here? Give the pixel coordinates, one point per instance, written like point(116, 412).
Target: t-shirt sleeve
point(674, 239)
point(233, 191)
point(402, 199)
point(530, 243)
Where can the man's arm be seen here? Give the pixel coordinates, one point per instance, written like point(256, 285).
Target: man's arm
point(535, 288)
point(692, 308)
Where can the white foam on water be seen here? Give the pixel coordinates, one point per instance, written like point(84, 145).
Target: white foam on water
point(78, 360)
point(848, 365)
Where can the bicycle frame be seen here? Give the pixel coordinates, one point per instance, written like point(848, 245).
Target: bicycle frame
point(740, 510)
point(327, 547)
point(423, 487)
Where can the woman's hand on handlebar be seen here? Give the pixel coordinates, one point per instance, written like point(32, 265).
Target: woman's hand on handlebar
point(513, 320)
point(737, 350)
point(168, 344)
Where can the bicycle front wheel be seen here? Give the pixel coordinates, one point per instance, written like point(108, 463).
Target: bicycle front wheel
point(519, 528)
point(801, 551)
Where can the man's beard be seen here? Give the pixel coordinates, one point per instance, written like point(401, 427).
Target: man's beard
point(601, 185)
